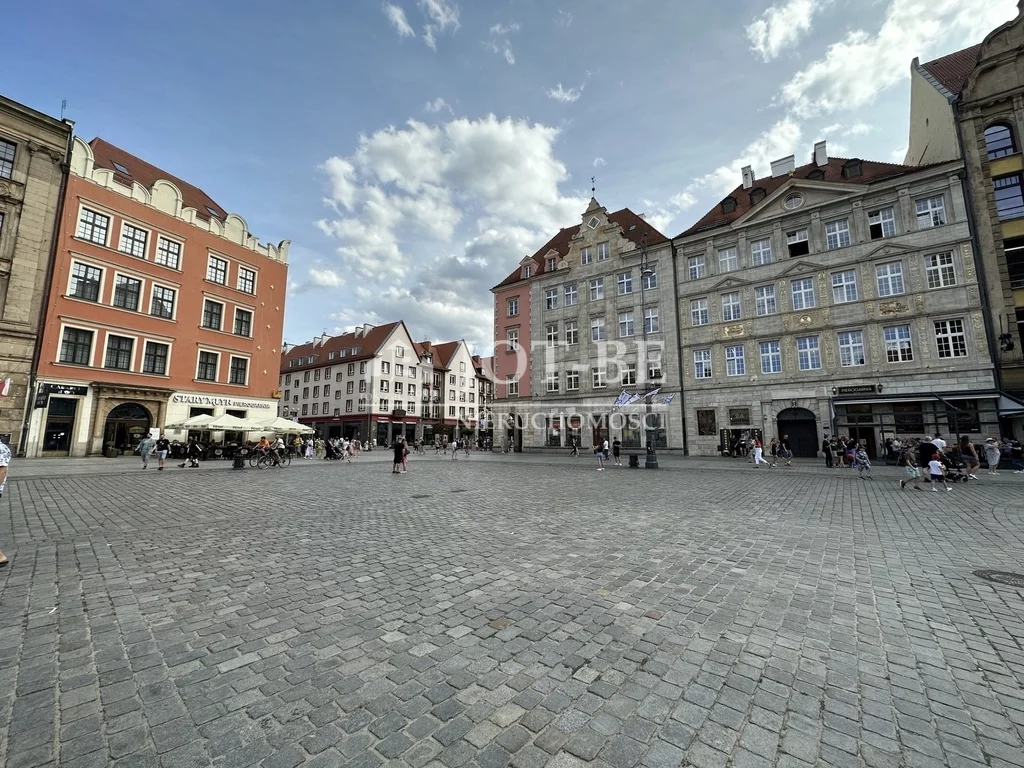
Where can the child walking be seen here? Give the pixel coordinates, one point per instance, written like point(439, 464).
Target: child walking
point(938, 474)
point(861, 463)
point(913, 472)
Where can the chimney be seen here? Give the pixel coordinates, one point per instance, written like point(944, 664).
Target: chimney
point(748, 177)
point(357, 331)
point(783, 166)
point(820, 154)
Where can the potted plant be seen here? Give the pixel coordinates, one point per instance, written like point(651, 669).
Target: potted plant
point(110, 450)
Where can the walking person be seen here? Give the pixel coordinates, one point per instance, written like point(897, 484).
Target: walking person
point(861, 462)
point(575, 448)
point(759, 453)
point(599, 453)
point(399, 455)
point(616, 450)
point(773, 449)
point(192, 454)
point(5, 462)
point(938, 474)
point(455, 450)
point(146, 447)
point(908, 457)
point(992, 455)
point(309, 447)
point(970, 456)
point(826, 448)
point(163, 447)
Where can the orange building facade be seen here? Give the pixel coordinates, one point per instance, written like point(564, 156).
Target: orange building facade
point(161, 306)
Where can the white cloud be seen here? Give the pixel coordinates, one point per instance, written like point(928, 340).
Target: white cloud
point(782, 25)
point(428, 217)
point(398, 20)
point(599, 161)
point(558, 93)
point(428, 37)
point(437, 105)
point(325, 278)
point(499, 42)
point(441, 13)
point(855, 70)
point(564, 18)
point(778, 141)
point(504, 30)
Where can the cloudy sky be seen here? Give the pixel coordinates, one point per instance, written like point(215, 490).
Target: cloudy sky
point(414, 150)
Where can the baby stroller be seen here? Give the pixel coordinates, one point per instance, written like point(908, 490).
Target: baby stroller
point(955, 467)
point(331, 453)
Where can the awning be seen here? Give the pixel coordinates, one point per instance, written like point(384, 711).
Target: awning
point(1009, 406)
point(919, 397)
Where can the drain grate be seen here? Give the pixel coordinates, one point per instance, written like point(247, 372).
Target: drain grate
point(1002, 577)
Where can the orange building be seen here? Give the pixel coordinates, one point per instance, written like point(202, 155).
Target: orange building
point(161, 306)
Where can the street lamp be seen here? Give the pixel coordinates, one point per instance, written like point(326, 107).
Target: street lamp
point(651, 458)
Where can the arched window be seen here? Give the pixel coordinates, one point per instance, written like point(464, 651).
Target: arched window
point(729, 204)
point(757, 195)
point(999, 141)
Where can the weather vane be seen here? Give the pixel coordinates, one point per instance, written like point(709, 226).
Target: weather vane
point(593, 187)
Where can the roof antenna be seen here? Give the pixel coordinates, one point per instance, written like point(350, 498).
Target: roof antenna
point(593, 187)
point(63, 106)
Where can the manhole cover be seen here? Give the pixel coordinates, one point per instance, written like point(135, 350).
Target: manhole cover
point(420, 496)
point(1002, 577)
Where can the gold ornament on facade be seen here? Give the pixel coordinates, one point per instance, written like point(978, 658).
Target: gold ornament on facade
point(733, 331)
point(805, 320)
point(968, 256)
point(891, 307)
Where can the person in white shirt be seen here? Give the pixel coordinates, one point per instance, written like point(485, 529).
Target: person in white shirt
point(937, 472)
point(939, 443)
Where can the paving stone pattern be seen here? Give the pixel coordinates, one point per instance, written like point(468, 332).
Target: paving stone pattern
point(495, 613)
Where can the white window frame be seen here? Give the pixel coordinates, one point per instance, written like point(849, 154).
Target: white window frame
point(886, 222)
point(248, 371)
point(603, 251)
point(512, 337)
point(199, 352)
point(162, 238)
point(106, 348)
point(800, 295)
point(765, 302)
point(735, 360)
point(628, 375)
point(898, 344)
point(627, 324)
point(572, 380)
point(551, 382)
point(252, 323)
point(82, 210)
point(596, 286)
point(889, 279)
point(147, 235)
point(950, 335)
point(761, 252)
point(841, 290)
point(696, 267)
point(808, 356)
point(772, 356)
point(586, 256)
point(209, 264)
point(572, 332)
point(597, 329)
point(598, 378)
point(944, 265)
point(735, 307)
point(572, 295)
point(699, 312)
point(930, 211)
point(71, 277)
point(652, 322)
point(837, 234)
point(92, 345)
point(728, 259)
point(202, 319)
point(849, 343)
point(551, 334)
point(126, 276)
point(551, 298)
point(624, 281)
point(142, 360)
point(255, 279)
point(512, 306)
point(702, 364)
point(512, 385)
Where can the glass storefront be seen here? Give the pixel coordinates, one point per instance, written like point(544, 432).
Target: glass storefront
point(60, 423)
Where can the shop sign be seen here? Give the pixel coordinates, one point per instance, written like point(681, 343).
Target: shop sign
point(225, 401)
point(68, 390)
point(858, 389)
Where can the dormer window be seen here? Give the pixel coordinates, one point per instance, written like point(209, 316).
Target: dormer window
point(593, 222)
point(729, 204)
point(757, 195)
point(817, 174)
point(527, 271)
point(551, 264)
point(851, 169)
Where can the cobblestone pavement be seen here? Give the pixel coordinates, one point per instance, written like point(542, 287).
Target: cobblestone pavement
point(495, 612)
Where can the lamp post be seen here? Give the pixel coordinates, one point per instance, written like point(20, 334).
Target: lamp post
point(651, 457)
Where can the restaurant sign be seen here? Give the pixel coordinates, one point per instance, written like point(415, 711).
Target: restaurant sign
point(225, 401)
point(859, 389)
point(68, 390)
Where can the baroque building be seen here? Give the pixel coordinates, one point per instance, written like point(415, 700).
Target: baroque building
point(837, 297)
point(33, 164)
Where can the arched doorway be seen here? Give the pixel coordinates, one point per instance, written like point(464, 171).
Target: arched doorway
point(125, 426)
point(802, 428)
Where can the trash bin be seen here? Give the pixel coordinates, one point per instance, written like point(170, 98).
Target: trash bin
point(239, 462)
point(634, 460)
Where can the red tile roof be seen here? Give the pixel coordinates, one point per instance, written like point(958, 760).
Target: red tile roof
point(367, 344)
point(106, 154)
point(443, 353)
point(633, 228)
point(953, 70)
point(833, 172)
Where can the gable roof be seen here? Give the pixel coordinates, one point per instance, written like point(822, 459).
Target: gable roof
point(633, 229)
point(368, 344)
point(445, 352)
point(833, 173)
point(105, 155)
point(951, 71)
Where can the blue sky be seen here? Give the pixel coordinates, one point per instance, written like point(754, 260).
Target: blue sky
point(414, 150)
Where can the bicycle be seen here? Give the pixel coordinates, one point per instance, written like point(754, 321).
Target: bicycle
point(270, 459)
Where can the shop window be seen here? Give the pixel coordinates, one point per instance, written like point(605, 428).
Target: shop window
point(553, 437)
point(738, 417)
point(908, 417)
point(706, 423)
point(962, 416)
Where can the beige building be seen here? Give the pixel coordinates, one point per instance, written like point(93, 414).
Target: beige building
point(33, 163)
point(592, 303)
point(838, 297)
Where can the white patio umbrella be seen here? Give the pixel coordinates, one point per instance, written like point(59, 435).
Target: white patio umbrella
point(285, 426)
point(231, 424)
point(195, 422)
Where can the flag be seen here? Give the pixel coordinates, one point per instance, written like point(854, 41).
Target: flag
point(633, 398)
point(652, 393)
point(621, 399)
point(5, 387)
point(668, 399)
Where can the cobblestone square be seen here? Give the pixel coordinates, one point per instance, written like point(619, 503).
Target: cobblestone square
point(506, 611)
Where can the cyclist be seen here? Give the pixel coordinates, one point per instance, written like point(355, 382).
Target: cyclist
point(278, 449)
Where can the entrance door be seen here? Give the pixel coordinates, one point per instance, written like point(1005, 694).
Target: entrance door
point(60, 423)
point(802, 430)
point(125, 426)
point(600, 430)
point(866, 437)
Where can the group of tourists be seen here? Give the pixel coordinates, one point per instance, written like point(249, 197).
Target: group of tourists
point(330, 449)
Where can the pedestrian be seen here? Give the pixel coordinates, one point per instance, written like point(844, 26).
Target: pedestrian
point(163, 446)
point(909, 460)
point(146, 447)
point(399, 450)
point(575, 448)
point(939, 443)
point(826, 448)
point(616, 450)
point(455, 450)
point(938, 474)
point(309, 447)
point(773, 449)
point(5, 461)
point(759, 453)
point(861, 462)
point(599, 453)
point(970, 456)
point(191, 454)
point(992, 454)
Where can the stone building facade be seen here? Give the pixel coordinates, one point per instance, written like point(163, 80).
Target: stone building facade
point(591, 302)
point(836, 297)
point(33, 163)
